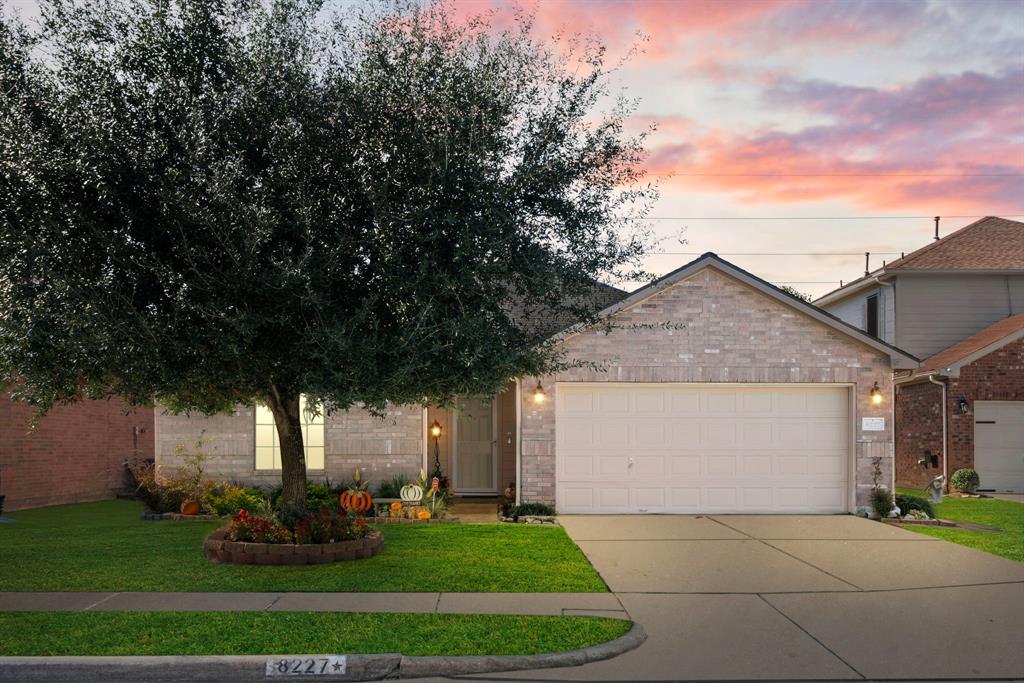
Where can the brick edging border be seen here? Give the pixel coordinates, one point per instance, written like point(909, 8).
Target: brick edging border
point(252, 669)
point(217, 548)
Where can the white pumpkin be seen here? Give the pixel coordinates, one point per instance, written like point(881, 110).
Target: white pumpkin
point(412, 493)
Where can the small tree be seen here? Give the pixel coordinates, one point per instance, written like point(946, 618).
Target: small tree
point(222, 202)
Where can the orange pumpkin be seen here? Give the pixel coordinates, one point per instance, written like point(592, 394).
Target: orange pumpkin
point(423, 514)
point(356, 501)
point(190, 507)
point(396, 506)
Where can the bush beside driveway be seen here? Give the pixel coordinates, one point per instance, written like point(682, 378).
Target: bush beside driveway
point(105, 546)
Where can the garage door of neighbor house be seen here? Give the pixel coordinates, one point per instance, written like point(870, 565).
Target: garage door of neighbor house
point(999, 445)
point(697, 448)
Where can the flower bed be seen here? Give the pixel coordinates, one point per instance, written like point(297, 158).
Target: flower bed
point(217, 548)
point(150, 516)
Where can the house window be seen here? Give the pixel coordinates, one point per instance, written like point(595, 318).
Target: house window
point(268, 449)
point(872, 315)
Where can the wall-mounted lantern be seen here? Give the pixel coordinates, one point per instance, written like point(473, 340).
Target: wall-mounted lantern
point(964, 407)
point(876, 395)
point(539, 395)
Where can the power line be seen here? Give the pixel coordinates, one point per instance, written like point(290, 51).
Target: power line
point(851, 175)
point(813, 218)
point(775, 253)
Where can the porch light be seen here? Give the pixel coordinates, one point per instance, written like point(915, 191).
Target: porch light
point(435, 429)
point(876, 395)
point(964, 407)
point(539, 395)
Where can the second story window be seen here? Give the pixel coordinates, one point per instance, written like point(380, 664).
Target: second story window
point(268, 453)
point(871, 316)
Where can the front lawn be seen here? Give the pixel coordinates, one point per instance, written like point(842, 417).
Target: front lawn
point(1004, 514)
point(259, 633)
point(106, 547)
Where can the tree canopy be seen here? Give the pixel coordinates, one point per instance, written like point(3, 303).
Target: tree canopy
point(214, 202)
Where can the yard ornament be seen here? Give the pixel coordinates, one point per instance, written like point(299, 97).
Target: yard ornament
point(934, 489)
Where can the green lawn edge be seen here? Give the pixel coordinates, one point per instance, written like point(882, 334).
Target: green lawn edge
point(290, 633)
point(1007, 515)
point(105, 546)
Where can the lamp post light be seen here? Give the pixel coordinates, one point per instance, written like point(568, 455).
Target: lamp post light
point(435, 431)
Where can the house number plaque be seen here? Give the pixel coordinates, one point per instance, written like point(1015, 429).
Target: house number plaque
point(297, 667)
point(872, 424)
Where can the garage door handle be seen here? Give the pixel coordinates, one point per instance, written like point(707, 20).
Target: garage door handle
point(631, 462)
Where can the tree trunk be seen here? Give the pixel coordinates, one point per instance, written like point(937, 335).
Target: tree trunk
point(285, 408)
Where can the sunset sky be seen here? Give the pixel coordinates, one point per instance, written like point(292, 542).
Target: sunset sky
point(818, 108)
point(829, 110)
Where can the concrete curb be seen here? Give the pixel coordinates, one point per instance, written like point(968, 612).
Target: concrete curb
point(250, 669)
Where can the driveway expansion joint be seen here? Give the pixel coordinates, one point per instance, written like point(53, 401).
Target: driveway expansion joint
point(811, 636)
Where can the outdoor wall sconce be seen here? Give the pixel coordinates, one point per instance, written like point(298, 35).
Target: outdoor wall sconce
point(876, 395)
point(963, 405)
point(435, 429)
point(539, 395)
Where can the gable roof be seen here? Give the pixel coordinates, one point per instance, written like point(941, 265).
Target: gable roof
point(992, 338)
point(899, 358)
point(989, 244)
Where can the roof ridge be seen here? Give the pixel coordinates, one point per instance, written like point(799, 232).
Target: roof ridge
point(903, 260)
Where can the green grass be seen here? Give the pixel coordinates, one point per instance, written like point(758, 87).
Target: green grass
point(1004, 514)
point(251, 633)
point(106, 547)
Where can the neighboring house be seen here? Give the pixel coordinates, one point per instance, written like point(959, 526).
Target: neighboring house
point(978, 386)
point(76, 453)
point(714, 392)
point(945, 302)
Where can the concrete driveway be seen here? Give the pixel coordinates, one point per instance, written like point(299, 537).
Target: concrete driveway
point(800, 597)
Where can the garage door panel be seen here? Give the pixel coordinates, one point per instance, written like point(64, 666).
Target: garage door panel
point(697, 448)
point(999, 444)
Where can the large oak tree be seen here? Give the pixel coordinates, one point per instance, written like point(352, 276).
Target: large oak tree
point(213, 202)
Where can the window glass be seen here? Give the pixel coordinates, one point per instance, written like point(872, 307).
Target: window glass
point(872, 315)
point(268, 452)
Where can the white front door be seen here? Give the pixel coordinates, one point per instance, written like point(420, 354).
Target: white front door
point(698, 448)
point(475, 467)
point(999, 445)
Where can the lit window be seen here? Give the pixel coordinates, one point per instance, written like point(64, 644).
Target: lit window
point(268, 450)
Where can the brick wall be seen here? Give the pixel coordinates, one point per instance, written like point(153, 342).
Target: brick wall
point(733, 333)
point(999, 376)
point(382, 447)
point(918, 415)
point(76, 453)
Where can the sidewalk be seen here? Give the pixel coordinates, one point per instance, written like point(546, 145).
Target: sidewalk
point(556, 604)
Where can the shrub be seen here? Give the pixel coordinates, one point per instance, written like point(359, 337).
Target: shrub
point(392, 488)
point(228, 499)
point(966, 480)
point(907, 503)
point(329, 526)
point(318, 496)
point(881, 502)
point(257, 529)
point(541, 509)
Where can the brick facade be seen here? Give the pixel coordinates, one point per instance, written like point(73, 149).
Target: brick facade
point(382, 447)
point(76, 454)
point(731, 333)
point(999, 376)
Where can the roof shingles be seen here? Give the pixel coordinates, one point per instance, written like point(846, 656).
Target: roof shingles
point(992, 334)
point(991, 243)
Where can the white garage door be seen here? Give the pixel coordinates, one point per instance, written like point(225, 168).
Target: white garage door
point(688, 448)
point(999, 445)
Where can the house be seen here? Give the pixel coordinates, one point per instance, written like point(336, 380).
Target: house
point(76, 453)
point(948, 302)
point(711, 392)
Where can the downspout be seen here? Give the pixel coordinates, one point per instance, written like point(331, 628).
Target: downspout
point(931, 378)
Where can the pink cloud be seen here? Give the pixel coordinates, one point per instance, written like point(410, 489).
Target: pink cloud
point(952, 141)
